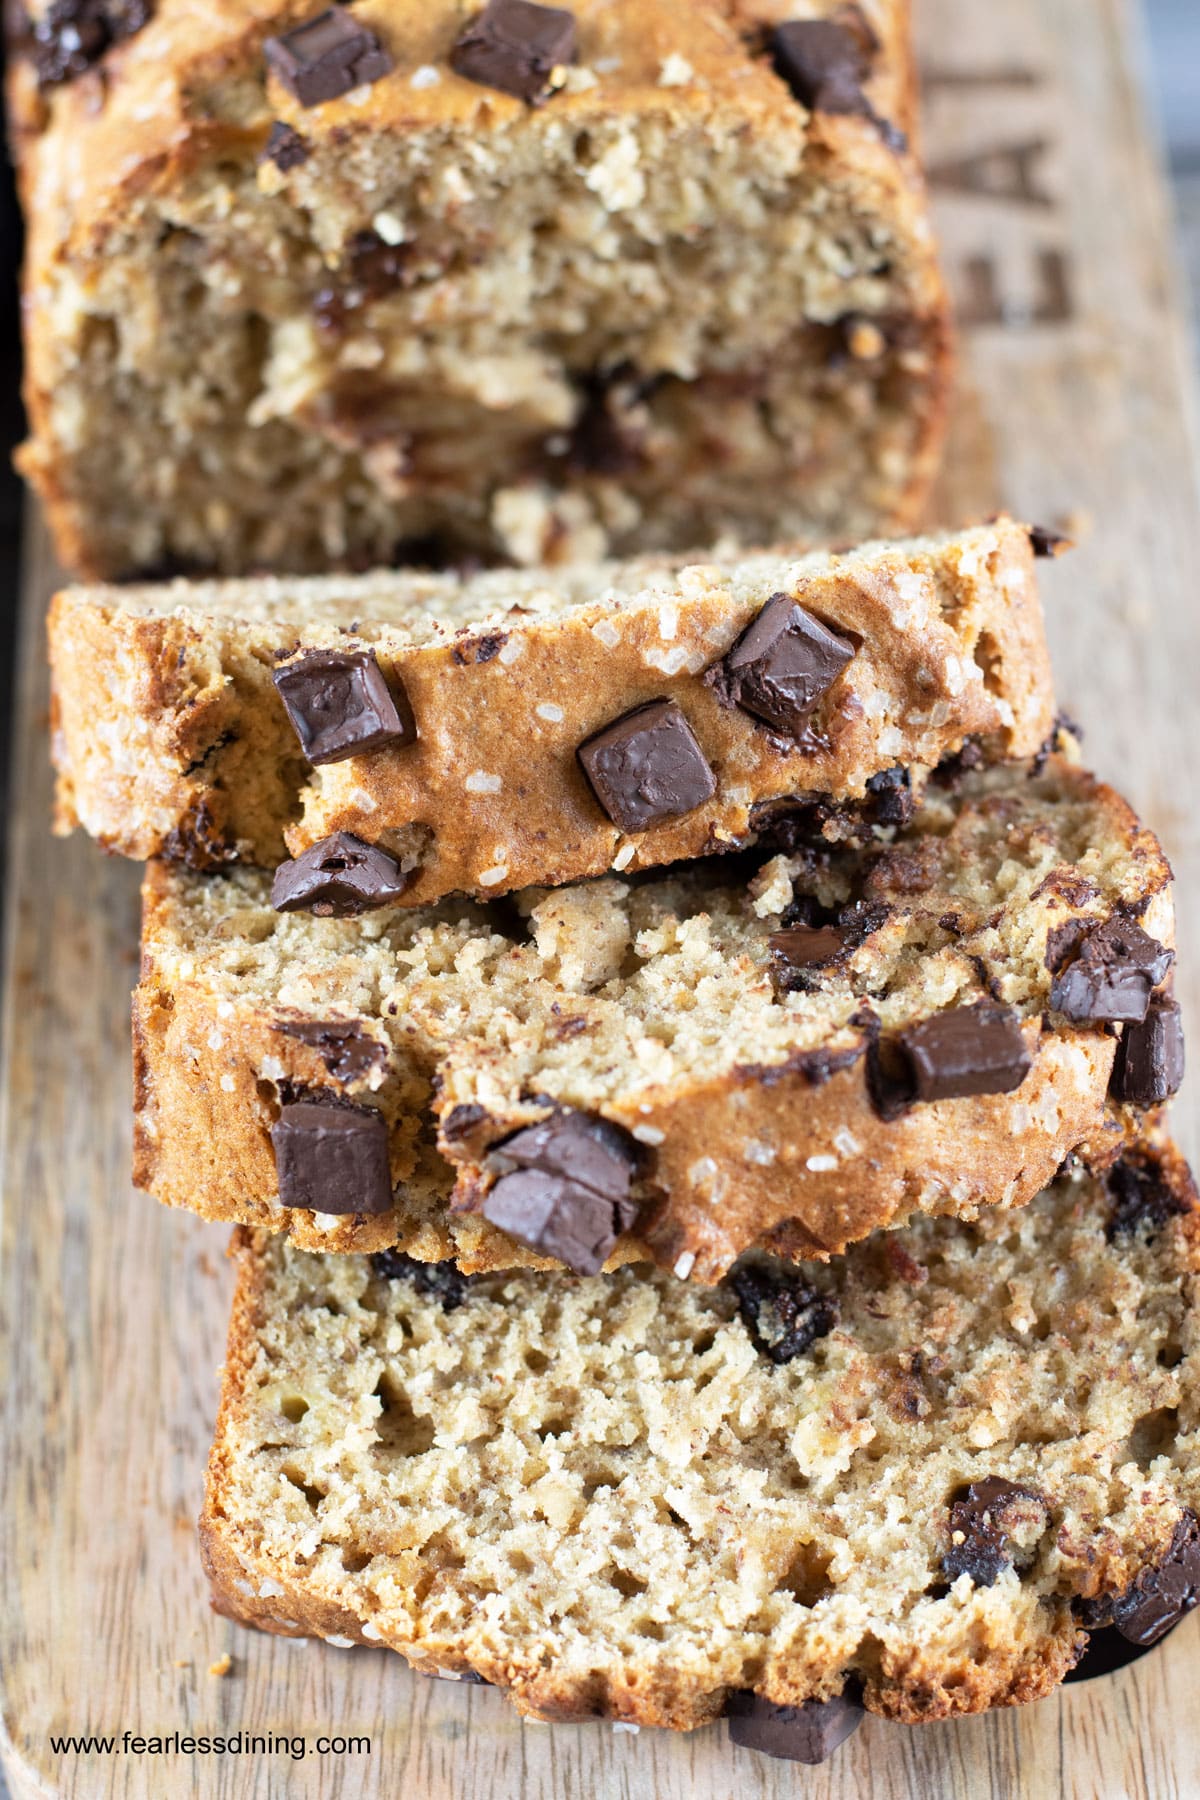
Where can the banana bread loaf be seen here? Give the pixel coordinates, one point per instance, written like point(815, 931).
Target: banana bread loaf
point(480, 731)
point(311, 287)
point(925, 1471)
point(791, 1049)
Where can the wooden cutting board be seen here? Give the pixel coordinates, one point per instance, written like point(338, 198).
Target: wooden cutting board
point(1074, 410)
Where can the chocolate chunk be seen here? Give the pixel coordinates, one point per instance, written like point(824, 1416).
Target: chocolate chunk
point(808, 946)
point(1149, 1065)
point(439, 1281)
point(809, 1733)
point(978, 1518)
point(477, 648)
point(460, 1122)
point(337, 878)
point(72, 36)
point(823, 64)
point(556, 1217)
point(1111, 979)
point(969, 1050)
point(516, 46)
point(891, 797)
point(608, 436)
point(596, 1154)
point(373, 267)
point(285, 147)
point(568, 1195)
point(647, 767)
point(341, 705)
point(1142, 1197)
point(782, 664)
point(348, 1052)
point(332, 1157)
point(328, 56)
point(1161, 1596)
point(1048, 543)
point(783, 1315)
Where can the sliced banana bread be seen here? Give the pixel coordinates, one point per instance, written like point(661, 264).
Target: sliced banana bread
point(924, 1471)
point(512, 728)
point(311, 286)
point(791, 1049)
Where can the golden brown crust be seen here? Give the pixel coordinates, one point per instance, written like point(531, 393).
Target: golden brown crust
point(169, 738)
point(1051, 1413)
point(126, 151)
point(746, 1150)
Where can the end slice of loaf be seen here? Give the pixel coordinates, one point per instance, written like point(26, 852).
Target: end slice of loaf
point(756, 1099)
point(674, 295)
point(628, 1497)
point(170, 738)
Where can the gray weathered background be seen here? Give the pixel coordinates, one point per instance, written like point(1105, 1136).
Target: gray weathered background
point(1175, 62)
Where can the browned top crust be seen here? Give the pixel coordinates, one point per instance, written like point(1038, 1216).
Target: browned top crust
point(170, 739)
point(603, 1497)
point(192, 84)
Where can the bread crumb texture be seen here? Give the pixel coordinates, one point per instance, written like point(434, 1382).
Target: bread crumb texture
point(601, 1496)
point(670, 302)
point(659, 1005)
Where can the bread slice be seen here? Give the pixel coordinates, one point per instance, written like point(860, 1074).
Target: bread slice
point(792, 1049)
point(685, 284)
point(171, 739)
point(928, 1468)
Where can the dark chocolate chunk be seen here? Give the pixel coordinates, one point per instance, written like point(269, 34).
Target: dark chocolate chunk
point(978, 1518)
point(1048, 543)
point(808, 946)
point(823, 63)
point(373, 267)
point(783, 1315)
point(1142, 1197)
point(337, 878)
point(782, 664)
point(478, 648)
point(568, 1195)
point(348, 1052)
point(593, 1152)
point(809, 942)
point(72, 36)
point(460, 1122)
point(969, 1050)
point(1112, 976)
point(1161, 1596)
point(556, 1217)
point(891, 797)
point(647, 767)
point(285, 147)
point(341, 705)
point(608, 436)
point(332, 1157)
point(515, 46)
point(809, 1733)
point(439, 1281)
point(1149, 1065)
point(327, 56)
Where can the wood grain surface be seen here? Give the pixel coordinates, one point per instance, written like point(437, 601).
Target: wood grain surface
point(1075, 403)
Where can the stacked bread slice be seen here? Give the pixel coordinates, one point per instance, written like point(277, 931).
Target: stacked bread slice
point(752, 1283)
